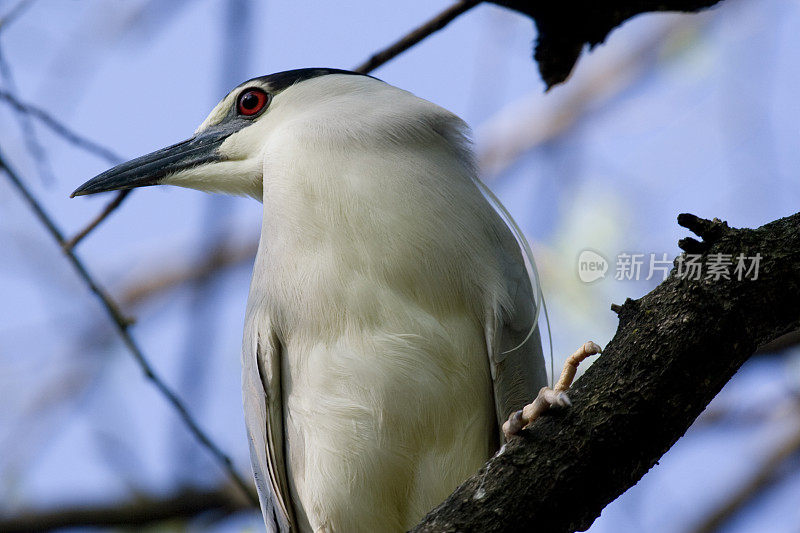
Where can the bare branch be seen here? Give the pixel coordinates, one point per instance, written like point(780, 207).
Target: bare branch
point(122, 323)
point(61, 129)
point(141, 512)
point(415, 36)
point(110, 207)
point(32, 143)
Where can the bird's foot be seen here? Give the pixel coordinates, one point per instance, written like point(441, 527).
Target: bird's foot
point(548, 397)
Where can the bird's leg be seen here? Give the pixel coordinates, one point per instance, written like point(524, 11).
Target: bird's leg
point(549, 397)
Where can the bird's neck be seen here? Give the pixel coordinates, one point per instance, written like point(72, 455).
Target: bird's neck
point(345, 224)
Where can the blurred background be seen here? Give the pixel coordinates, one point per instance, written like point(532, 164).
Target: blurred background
point(675, 113)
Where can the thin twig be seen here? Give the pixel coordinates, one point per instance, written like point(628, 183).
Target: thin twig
point(29, 136)
point(415, 36)
point(60, 129)
point(122, 323)
point(111, 206)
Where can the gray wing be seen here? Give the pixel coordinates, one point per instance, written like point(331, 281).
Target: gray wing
point(263, 410)
point(517, 374)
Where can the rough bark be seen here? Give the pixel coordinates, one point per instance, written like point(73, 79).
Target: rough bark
point(564, 27)
point(673, 351)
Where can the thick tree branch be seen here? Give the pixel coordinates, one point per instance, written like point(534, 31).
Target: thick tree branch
point(673, 351)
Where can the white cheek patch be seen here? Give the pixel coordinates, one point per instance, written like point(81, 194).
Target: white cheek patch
point(238, 178)
point(246, 143)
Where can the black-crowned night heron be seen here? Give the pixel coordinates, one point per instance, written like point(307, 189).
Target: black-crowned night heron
point(391, 323)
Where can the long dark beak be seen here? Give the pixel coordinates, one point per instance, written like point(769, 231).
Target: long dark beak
point(150, 169)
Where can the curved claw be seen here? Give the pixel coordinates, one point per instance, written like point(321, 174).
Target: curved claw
point(562, 400)
point(514, 424)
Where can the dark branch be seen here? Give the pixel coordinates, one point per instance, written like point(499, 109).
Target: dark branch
point(673, 351)
point(566, 26)
point(415, 36)
point(138, 513)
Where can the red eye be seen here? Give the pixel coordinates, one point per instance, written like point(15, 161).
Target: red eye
point(251, 101)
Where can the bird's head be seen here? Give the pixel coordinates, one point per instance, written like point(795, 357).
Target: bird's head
point(226, 153)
